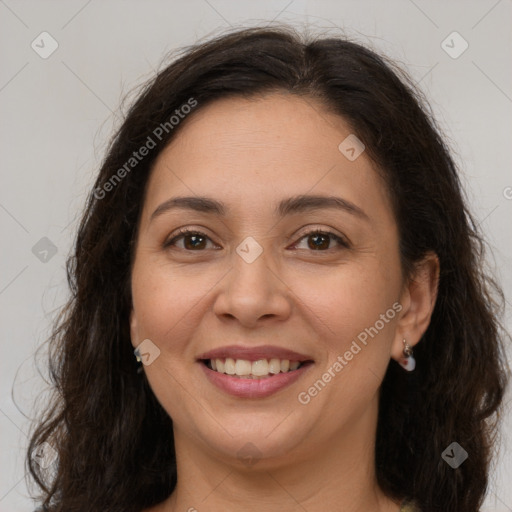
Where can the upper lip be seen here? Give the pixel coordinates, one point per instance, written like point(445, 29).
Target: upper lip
point(254, 353)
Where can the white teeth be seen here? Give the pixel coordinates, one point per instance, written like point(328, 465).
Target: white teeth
point(246, 369)
point(260, 367)
point(243, 367)
point(229, 366)
point(274, 366)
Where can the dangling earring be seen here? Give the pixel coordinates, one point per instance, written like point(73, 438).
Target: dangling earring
point(136, 352)
point(407, 361)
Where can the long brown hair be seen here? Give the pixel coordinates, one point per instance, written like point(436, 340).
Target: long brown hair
point(113, 439)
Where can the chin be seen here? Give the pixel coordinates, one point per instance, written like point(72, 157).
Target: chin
point(261, 437)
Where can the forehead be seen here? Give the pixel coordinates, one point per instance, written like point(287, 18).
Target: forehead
point(256, 151)
point(277, 123)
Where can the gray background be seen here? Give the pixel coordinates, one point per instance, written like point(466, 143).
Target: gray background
point(58, 113)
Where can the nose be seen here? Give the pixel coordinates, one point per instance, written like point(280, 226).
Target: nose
point(253, 293)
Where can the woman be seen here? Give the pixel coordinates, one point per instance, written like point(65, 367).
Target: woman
point(277, 298)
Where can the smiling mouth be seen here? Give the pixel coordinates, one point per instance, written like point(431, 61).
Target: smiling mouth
point(260, 369)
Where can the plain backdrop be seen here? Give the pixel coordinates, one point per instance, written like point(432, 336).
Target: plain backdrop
point(58, 111)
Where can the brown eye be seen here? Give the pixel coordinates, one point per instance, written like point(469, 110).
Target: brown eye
point(192, 241)
point(321, 241)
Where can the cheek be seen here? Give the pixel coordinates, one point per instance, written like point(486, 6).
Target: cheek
point(343, 302)
point(357, 311)
point(168, 301)
point(346, 308)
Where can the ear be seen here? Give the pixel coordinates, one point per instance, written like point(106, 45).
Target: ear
point(134, 331)
point(418, 299)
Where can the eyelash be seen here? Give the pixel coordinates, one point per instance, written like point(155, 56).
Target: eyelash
point(185, 231)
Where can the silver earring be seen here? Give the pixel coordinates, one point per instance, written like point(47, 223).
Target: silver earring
point(137, 355)
point(407, 361)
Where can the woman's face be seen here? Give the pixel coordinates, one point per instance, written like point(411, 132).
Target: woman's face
point(255, 289)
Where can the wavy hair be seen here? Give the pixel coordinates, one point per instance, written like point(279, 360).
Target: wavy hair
point(113, 439)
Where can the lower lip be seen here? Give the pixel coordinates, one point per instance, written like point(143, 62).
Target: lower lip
point(253, 388)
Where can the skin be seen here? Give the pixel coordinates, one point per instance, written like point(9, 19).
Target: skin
point(250, 154)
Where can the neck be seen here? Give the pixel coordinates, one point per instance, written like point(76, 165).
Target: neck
point(336, 474)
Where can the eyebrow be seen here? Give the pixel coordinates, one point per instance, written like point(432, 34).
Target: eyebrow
point(295, 204)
